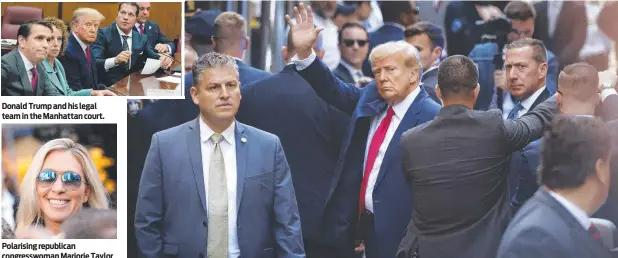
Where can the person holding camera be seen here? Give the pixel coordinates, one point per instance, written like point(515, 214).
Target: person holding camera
point(521, 16)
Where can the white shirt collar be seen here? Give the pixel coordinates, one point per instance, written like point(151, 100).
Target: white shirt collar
point(27, 62)
point(577, 212)
point(206, 132)
point(81, 43)
point(395, 24)
point(137, 25)
point(527, 104)
point(402, 107)
point(122, 33)
point(350, 68)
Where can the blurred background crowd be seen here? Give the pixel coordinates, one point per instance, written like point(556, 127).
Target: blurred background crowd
point(21, 142)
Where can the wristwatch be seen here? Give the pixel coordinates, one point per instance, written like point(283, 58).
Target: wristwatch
point(606, 86)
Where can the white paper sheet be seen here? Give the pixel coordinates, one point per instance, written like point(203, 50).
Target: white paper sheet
point(162, 92)
point(171, 79)
point(152, 65)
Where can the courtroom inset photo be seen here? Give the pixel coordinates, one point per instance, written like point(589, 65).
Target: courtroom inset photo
point(92, 49)
point(59, 181)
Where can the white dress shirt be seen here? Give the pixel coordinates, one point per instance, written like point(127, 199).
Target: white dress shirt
point(28, 66)
point(109, 63)
point(508, 104)
point(577, 212)
point(228, 148)
point(553, 12)
point(597, 43)
point(400, 111)
point(356, 74)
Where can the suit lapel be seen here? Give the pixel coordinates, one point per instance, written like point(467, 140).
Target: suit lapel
point(242, 152)
point(195, 156)
point(115, 39)
point(410, 119)
point(593, 245)
point(23, 75)
point(544, 95)
point(55, 80)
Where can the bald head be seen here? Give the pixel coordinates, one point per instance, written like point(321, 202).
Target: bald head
point(578, 88)
point(230, 34)
point(579, 81)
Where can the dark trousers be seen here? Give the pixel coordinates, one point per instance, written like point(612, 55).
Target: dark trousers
point(318, 250)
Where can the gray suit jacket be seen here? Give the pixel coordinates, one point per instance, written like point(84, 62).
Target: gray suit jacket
point(544, 228)
point(15, 80)
point(456, 166)
point(171, 213)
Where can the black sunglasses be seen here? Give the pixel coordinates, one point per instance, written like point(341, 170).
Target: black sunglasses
point(350, 42)
point(70, 179)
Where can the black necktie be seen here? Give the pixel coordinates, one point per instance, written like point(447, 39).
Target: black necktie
point(125, 47)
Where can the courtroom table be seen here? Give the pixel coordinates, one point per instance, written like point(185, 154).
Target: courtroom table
point(137, 84)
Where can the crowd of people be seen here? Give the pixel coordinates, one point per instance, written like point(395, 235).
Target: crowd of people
point(83, 60)
point(421, 140)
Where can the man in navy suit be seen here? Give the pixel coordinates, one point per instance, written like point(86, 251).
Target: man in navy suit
point(576, 178)
point(119, 51)
point(397, 16)
point(310, 131)
point(156, 39)
point(78, 59)
point(368, 181)
point(429, 40)
point(223, 188)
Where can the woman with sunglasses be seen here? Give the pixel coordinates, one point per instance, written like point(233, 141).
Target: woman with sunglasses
point(60, 181)
point(53, 67)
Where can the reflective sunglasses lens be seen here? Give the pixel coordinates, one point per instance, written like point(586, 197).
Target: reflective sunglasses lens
point(72, 179)
point(47, 177)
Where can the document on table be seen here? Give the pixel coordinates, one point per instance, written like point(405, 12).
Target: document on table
point(151, 66)
point(171, 79)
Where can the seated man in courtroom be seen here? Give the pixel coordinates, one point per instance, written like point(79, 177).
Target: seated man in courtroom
point(22, 71)
point(119, 52)
point(151, 29)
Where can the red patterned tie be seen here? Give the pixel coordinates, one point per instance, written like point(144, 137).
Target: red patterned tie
point(141, 28)
point(35, 79)
point(374, 146)
point(594, 232)
point(88, 58)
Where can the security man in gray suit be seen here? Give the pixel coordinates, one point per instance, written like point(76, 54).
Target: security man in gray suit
point(22, 71)
point(456, 166)
point(576, 178)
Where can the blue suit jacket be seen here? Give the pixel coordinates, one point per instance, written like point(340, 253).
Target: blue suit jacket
point(79, 74)
point(392, 198)
point(483, 56)
point(109, 45)
point(171, 214)
point(153, 32)
point(384, 34)
point(544, 228)
point(310, 131)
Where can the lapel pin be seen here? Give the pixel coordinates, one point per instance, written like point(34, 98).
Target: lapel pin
point(243, 139)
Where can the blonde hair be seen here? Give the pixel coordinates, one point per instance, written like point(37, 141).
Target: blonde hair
point(79, 12)
point(62, 27)
point(412, 58)
point(29, 211)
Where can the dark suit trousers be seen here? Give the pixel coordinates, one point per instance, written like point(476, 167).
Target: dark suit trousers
point(316, 250)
